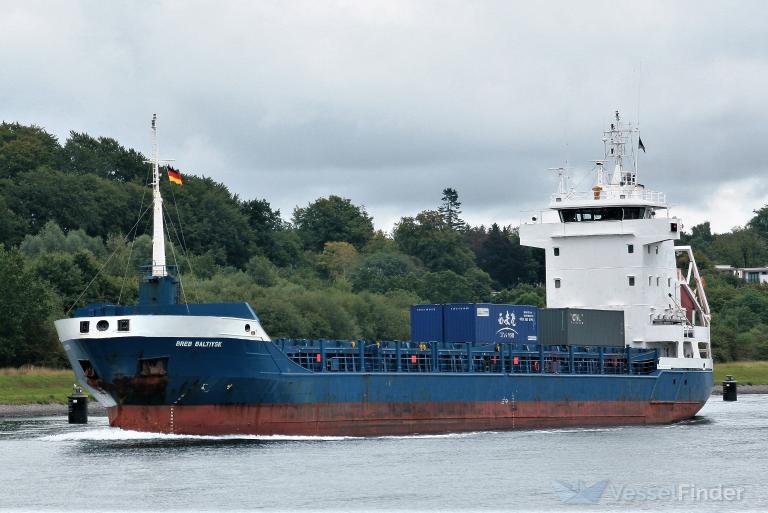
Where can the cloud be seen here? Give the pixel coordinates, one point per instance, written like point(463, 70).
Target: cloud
point(388, 102)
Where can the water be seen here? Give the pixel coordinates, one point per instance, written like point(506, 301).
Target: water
point(46, 464)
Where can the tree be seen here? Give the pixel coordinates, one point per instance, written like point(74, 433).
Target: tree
point(430, 239)
point(104, 157)
point(264, 223)
point(759, 223)
point(26, 305)
point(383, 272)
point(338, 259)
point(26, 148)
point(211, 217)
point(451, 208)
point(96, 205)
point(332, 219)
point(501, 255)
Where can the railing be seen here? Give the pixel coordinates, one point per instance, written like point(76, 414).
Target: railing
point(612, 195)
point(343, 356)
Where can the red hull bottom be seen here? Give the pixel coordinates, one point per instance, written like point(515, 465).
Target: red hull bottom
point(355, 419)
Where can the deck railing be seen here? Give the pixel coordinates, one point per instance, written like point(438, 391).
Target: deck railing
point(343, 356)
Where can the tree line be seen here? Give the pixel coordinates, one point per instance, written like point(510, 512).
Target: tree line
point(74, 211)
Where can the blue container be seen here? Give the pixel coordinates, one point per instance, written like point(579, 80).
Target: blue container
point(488, 322)
point(427, 323)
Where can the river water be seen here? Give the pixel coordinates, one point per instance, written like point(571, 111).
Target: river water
point(715, 462)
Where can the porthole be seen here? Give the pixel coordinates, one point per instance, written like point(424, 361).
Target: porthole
point(102, 325)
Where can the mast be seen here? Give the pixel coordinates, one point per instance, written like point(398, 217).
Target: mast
point(158, 235)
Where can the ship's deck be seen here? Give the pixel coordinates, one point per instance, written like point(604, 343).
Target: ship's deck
point(343, 356)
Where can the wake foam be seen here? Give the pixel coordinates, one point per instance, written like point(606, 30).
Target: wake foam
point(116, 434)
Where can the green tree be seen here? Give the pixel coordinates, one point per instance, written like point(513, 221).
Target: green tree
point(264, 223)
point(104, 157)
point(759, 223)
point(26, 148)
point(211, 218)
point(385, 271)
point(338, 259)
point(332, 219)
point(430, 239)
point(450, 209)
point(26, 305)
point(96, 205)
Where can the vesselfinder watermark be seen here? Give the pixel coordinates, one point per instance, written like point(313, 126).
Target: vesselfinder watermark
point(606, 492)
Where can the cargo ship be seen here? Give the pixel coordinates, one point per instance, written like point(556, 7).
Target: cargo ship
point(624, 340)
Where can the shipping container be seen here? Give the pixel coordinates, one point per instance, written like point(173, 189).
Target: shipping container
point(427, 323)
point(581, 327)
point(488, 322)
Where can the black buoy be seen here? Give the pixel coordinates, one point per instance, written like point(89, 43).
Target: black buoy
point(729, 389)
point(78, 406)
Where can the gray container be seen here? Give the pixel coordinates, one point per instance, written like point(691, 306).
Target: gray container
point(581, 327)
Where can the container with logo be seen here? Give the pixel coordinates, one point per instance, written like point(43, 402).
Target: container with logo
point(427, 323)
point(581, 327)
point(488, 322)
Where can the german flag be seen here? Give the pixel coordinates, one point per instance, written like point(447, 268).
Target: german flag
point(174, 176)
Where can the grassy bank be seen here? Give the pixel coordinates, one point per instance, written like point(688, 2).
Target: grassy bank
point(35, 385)
point(746, 373)
point(38, 385)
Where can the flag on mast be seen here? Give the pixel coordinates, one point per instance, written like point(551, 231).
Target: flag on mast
point(174, 176)
point(640, 144)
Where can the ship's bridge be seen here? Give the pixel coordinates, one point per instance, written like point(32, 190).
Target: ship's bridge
point(608, 204)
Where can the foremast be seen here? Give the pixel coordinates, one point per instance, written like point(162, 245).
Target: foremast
point(159, 286)
point(158, 234)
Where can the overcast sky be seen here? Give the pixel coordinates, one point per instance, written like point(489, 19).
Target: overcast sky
point(388, 102)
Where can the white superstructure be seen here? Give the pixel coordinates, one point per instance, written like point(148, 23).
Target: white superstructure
point(613, 247)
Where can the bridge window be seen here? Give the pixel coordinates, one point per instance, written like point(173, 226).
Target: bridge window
point(577, 215)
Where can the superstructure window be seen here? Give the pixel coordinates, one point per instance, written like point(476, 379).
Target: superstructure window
point(123, 325)
point(557, 283)
point(630, 248)
point(658, 281)
point(85, 326)
point(650, 279)
point(577, 215)
point(557, 251)
point(669, 282)
point(631, 281)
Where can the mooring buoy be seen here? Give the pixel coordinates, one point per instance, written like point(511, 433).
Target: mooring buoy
point(77, 406)
point(729, 389)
